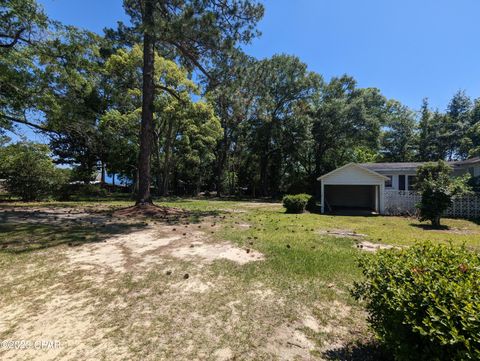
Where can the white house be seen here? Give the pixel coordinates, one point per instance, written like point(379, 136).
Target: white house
point(369, 186)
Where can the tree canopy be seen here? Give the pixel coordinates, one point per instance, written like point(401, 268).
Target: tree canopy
point(170, 103)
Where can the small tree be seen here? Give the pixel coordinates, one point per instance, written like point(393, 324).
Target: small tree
point(438, 188)
point(29, 171)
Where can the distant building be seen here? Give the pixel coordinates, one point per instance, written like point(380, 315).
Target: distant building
point(378, 187)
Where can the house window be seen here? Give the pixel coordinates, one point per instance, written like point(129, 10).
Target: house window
point(411, 182)
point(401, 182)
point(388, 183)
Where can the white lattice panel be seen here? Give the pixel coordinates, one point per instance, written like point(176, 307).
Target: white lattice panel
point(404, 202)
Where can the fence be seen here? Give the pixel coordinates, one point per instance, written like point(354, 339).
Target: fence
point(404, 202)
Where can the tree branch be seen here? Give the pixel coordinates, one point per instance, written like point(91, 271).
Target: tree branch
point(16, 38)
point(30, 124)
point(172, 92)
point(192, 58)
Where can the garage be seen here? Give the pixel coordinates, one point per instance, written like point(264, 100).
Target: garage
point(352, 188)
point(344, 197)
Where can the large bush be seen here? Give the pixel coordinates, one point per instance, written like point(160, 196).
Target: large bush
point(29, 171)
point(296, 203)
point(424, 301)
point(438, 188)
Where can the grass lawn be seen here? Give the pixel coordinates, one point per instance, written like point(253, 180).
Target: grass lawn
point(227, 280)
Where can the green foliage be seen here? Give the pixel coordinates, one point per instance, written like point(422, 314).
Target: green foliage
point(452, 134)
point(276, 132)
point(364, 154)
point(185, 131)
point(399, 140)
point(29, 171)
point(81, 191)
point(46, 71)
point(264, 127)
point(195, 31)
point(429, 146)
point(345, 119)
point(296, 203)
point(21, 22)
point(438, 188)
point(424, 301)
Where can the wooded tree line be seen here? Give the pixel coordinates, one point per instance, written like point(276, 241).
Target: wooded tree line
point(172, 100)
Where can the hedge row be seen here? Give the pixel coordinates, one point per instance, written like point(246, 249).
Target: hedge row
point(424, 301)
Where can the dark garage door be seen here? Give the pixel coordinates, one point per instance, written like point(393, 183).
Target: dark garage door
point(349, 197)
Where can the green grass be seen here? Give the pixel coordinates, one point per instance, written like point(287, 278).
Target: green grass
point(292, 247)
point(305, 268)
point(273, 224)
point(404, 230)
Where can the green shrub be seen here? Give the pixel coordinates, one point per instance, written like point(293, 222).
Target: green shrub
point(296, 203)
point(29, 171)
point(92, 190)
point(424, 301)
point(438, 188)
point(81, 191)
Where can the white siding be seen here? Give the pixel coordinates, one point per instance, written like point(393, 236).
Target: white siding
point(395, 174)
point(352, 175)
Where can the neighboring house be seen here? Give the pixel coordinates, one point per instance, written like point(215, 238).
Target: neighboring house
point(379, 187)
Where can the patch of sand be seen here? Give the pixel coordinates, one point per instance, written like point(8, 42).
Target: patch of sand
point(289, 343)
point(373, 247)
point(212, 252)
point(223, 354)
point(63, 324)
point(150, 247)
point(192, 285)
point(310, 322)
point(115, 252)
point(342, 233)
point(243, 225)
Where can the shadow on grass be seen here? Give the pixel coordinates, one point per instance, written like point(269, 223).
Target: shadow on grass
point(429, 227)
point(474, 220)
point(26, 237)
point(170, 215)
point(358, 352)
point(216, 199)
point(187, 216)
point(24, 231)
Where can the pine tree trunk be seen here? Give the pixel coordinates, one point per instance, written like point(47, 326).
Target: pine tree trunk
point(146, 131)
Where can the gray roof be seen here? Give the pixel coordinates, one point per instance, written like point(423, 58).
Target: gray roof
point(378, 167)
point(412, 166)
point(466, 161)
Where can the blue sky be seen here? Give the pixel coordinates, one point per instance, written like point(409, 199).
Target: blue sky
point(409, 49)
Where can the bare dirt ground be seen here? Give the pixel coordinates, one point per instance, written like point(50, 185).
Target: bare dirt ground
point(158, 292)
